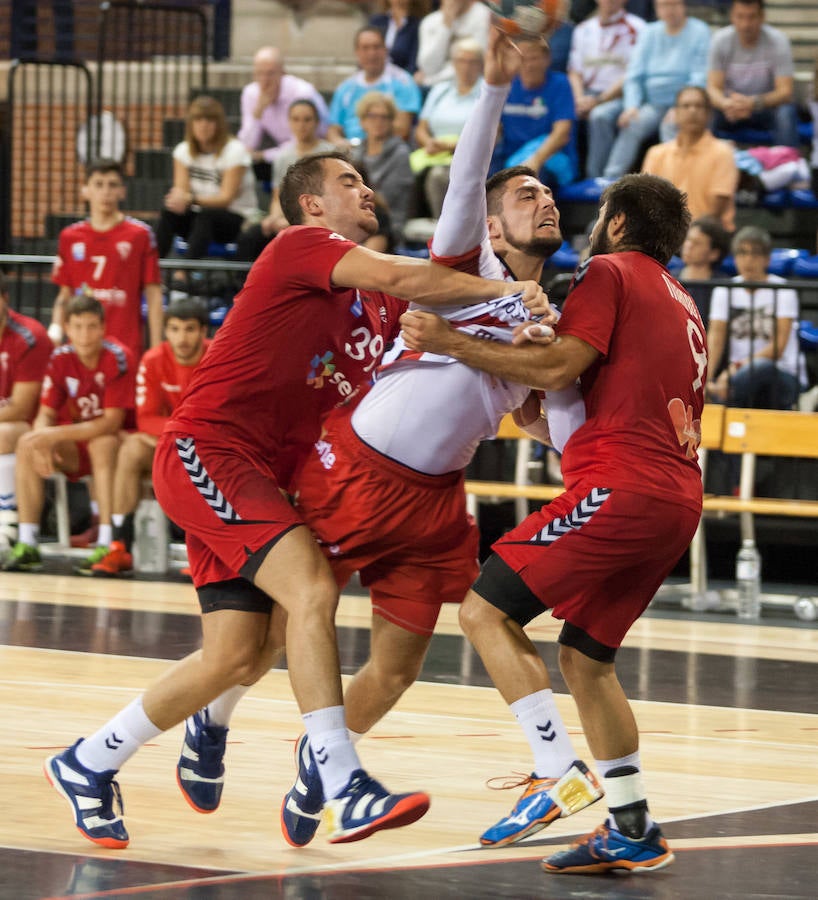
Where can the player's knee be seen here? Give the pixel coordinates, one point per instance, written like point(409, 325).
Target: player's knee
point(473, 613)
point(240, 664)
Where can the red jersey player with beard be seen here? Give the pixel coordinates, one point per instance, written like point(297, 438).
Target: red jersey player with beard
point(307, 329)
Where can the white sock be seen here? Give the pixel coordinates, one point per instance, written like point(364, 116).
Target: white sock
point(220, 710)
point(105, 536)
point(624, 790)
point(117, 741)
point(546, 733)
point(117, 519)
point(29, 533)
point(331, 747)
point(603, 766)
point(354, 736)
point(94, 508)
point(8, 499)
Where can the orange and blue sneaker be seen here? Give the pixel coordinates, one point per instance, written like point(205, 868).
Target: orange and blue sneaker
point(92, 796)
point(543, 801)
point(606, 849)
point(303, 803)
point(200, 770)
point(365, 806)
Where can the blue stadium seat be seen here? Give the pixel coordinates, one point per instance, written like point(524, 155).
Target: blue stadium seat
point(215, 250)
point(587, 191)
point(783, 259)
point(750, 136)
point(803, 199)
point(675, 265)
point(217, 315)
point(808, 336)
point(565, 258)
point(776, 199)
point(805, 267)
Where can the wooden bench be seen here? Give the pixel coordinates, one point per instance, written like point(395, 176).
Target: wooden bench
point(519, 490)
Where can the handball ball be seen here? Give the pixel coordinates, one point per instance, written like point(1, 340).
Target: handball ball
point(526, 16)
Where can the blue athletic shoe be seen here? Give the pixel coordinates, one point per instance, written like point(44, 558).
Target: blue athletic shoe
point(543, 801)
point(606, 848)
point(200, 770)
point(91, 796)
point(365, 806)
point(302, 805)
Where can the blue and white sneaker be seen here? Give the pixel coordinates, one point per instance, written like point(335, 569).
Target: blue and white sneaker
point(606, 849)
point(543, 801)
point(302, 805)
point(365, 806)
point(200, 770)
point(91, 796)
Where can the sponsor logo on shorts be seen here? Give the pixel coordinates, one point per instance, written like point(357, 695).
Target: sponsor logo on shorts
point(325, 454)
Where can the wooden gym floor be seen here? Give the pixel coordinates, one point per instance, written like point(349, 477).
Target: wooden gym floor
point(728, 715)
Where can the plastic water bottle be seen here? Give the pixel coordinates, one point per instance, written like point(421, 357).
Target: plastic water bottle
point(748, 581)
point(150, 538)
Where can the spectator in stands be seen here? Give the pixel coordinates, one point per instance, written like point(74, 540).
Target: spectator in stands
point(600, 49)
point(454, 20)
point(399, 20)
point(582, 9)
point(538, 118)
point(669, 55)
point(24, 352)
point(385, 157)
point(164, 374)
point(758, 327)
point(213, 190)
point(445, 110)
point(703, 251)
point(112, 257)
point(303, 122)
point(559, 32)
point(376, 74)
point(750, 76)
point(697, 162)
point(87, 391)
point(265, 106)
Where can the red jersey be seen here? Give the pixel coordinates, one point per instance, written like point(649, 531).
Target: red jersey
point(24, 351)
point(160, 382)
point(78, 393)
point(292, 348)
point(114, 266)
point(645, 392)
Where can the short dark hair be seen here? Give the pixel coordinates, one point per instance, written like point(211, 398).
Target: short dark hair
point(496, 186)
point(305, 176)
point(756, 237)
point(103, 166)
point(699, 90)
point(188, 308)
point(717, 234)
point(368, 28)
point(83, 303)
point(758, 3)
point(656, 214)
point(304, 101)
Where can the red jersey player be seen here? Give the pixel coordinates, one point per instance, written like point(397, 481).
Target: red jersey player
point(89, 387)
point(307, 329)
point(163, 376)
point(24, 352)
point(112, 257)
point(597, 554)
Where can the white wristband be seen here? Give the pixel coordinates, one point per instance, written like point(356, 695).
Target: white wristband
point(55, 332)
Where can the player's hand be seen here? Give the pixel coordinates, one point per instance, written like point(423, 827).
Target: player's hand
point(38, 448)
point(426, 331)
point(502, 60)
point(536, 301)
point(533, 333)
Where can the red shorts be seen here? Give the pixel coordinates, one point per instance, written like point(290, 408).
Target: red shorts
point(596, 557)
point(227, 502)
point(407, 534)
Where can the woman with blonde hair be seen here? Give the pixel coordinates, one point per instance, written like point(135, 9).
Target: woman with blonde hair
point(385, 157)
point(213, 189)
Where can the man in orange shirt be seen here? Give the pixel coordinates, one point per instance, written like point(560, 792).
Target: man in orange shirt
point(697, 162)
point(164, 374)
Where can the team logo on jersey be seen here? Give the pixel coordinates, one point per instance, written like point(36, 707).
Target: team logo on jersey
point(688, 430)
point(321, 367)
point(73, 385)
point(334, 236)
point(78, 251)
point(99, 377)
point(4, 360)
point(123, 248)
point(357, 308)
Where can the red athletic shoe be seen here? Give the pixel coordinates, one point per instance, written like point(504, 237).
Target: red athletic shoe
point(116, 562)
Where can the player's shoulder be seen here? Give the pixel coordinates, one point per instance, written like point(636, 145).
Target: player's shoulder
point(30, 330)
point(75, 230)
point(119, 353)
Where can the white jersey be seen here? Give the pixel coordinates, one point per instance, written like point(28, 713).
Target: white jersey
point(429, 412)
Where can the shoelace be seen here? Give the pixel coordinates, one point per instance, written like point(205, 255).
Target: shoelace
point(511, 782)
point(211, 750)
point(601, 830)
point(111, 793)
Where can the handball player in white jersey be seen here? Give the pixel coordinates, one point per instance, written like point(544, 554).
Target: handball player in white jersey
point(383, 491)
